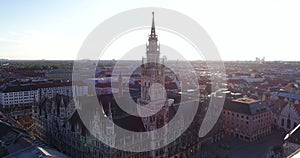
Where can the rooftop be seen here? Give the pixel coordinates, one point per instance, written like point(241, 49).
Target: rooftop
point(245, 100)
point(246, 106)
point(16, 88)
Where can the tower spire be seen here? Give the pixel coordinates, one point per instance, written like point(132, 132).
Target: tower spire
point(153, 26)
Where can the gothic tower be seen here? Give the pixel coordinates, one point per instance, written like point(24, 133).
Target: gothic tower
point(110, 129)
point(152, 71)
point(153, 92)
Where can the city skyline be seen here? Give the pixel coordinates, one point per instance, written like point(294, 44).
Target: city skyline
point(141, 79)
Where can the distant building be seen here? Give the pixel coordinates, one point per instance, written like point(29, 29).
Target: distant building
point(248, 77)
point(12, 96)
point(246, 119)
point(59, 75)
point(18, 99)
point(286, 109)
point(65, 88)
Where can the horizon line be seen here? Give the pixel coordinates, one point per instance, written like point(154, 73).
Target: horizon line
point(140, 60)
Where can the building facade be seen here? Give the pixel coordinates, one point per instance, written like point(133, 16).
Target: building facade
point(286, 109)
point(59, 75)
point(65, 88)
point(57, 123)
point(17, 100)
point(14, 95)
point(246, 119)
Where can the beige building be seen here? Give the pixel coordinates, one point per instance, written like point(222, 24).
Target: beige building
point(59, 75)
point(246, 119)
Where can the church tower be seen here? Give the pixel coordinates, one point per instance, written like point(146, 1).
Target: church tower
point(153, 93)
point(153, 47)
point(152, 71)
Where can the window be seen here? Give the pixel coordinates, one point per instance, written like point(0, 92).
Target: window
point(288, 122)
point(282, 122)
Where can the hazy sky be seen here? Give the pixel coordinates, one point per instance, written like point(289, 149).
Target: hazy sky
point(241, 30)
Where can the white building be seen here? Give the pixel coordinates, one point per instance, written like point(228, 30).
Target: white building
point(12, 96)
point(64, 88)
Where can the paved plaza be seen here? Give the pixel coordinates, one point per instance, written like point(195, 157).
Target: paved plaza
point(233, 148)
